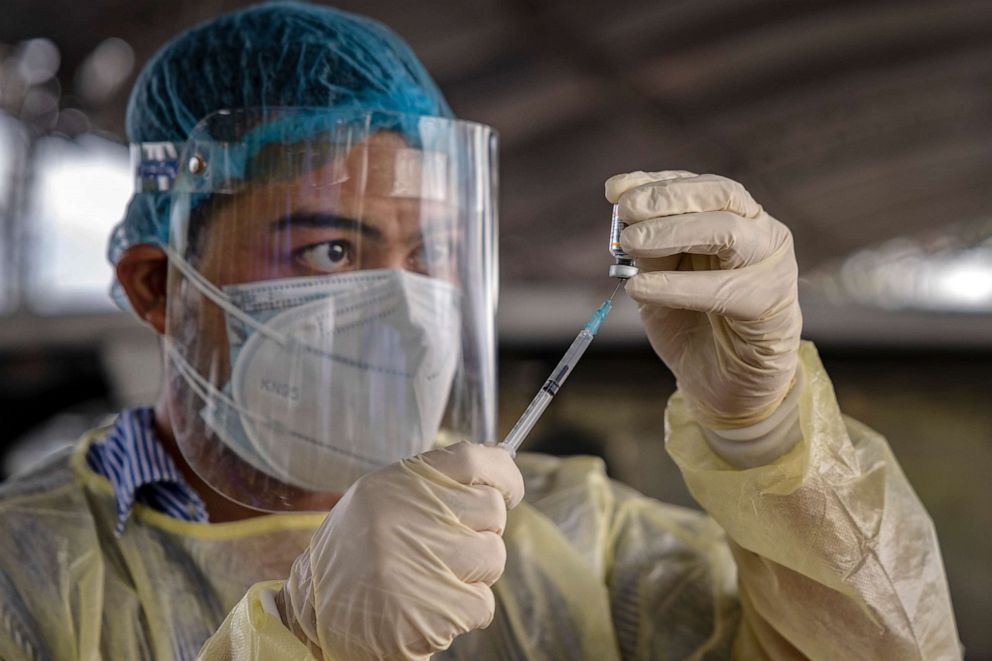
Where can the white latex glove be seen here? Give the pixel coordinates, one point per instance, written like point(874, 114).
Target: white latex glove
point(717, 290)
point(405, 561)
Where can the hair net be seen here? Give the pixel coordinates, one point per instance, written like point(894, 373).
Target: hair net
point(285, 54)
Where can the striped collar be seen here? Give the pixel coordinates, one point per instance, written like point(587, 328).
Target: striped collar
point(140, 470)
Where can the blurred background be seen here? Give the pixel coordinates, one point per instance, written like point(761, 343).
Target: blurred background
point(863, 125)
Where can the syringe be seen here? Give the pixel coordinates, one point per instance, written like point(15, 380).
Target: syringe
point(550, 388)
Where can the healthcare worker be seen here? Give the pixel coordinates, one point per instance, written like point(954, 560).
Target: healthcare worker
point(313, 238)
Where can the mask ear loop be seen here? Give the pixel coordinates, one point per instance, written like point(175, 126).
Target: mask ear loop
point(211, 291)
point(201, 386)
point(217, 296)
point(206, 390)
point(221, 299)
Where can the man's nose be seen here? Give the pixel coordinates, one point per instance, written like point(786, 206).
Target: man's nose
point(388, 259)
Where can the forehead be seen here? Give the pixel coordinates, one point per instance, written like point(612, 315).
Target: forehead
point(382, 165)
point(381, 172)
point(382, 195)
point(381, 181)
point(385, 166)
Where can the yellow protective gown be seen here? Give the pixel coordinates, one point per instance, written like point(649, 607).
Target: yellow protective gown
point(835, 558)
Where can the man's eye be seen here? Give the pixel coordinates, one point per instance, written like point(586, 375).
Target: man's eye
point(328, 256)
point(428, 259)
point(417, 260)
point(434, 253)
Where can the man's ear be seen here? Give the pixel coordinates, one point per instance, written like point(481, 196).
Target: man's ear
point(142, 271)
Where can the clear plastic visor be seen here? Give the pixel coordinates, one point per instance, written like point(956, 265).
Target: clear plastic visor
point(330, 297)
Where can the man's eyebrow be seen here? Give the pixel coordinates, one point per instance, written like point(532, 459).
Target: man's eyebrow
point(323, 219)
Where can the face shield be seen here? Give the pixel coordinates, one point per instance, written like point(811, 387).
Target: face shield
point(331, 296)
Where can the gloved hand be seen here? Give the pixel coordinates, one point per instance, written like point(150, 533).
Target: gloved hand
point(405, 561)
point(717, 290)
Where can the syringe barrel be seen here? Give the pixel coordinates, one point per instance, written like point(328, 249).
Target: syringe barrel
point(572, 355)
point(527, 421)
point(547, 392)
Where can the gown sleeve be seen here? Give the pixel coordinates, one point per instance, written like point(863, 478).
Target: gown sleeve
point(250, 632)
point(836, 555)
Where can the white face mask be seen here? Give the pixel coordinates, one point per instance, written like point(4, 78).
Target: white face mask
point(332, 376)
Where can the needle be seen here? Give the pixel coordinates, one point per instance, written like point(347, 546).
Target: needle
point(616, 289)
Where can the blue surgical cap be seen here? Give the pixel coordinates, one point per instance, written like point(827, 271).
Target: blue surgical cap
point(281, 54)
